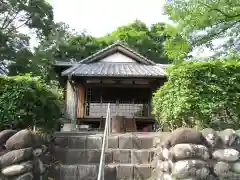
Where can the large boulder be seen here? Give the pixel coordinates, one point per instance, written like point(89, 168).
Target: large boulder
point(211, 136)
point(18, 169)
point(39, 168)
point(184, 136)
point(5, 135)
point(159, 153)
point(229, 176)
point(190, 168)
point(163, 176)
point(15, 156)
point(20, 140)
point(164, 166)
point(37, 152)
point(26, 176)
point(236, 143)
point(221, 168)
point(3, 151)
point(228, 136)
point(187, 151)
point(229, 155)
point(236, 167)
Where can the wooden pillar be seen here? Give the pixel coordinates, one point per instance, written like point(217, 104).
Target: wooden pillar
point(150, 102)
point(70, 101)
point(74, 121)
point(81, 100)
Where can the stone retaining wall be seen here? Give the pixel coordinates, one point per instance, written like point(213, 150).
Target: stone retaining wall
point(20, 155)
point(218, 158)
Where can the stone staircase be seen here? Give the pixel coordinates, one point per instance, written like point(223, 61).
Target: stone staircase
point(128, 156)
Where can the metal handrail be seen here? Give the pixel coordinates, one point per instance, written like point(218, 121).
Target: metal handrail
point(104, 145)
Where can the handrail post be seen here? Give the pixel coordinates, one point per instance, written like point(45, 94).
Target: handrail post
point(104, 145)
point(109, 121)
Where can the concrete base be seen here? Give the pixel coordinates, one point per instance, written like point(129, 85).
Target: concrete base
point(68, 127)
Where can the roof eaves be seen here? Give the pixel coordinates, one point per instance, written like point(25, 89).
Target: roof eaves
point(115, 76)
point(74, 71)
point(70, 71)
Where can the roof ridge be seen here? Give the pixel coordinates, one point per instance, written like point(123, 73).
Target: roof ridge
point(116, 44)
point(136, 53)
point(99, 52)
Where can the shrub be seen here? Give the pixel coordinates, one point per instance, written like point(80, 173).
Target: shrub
point(26, 101)
point(200, 94)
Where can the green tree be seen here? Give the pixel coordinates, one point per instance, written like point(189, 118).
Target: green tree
point(202, 22)
point(176, 46)
point(64, 44)
point(27, 101)
point(39, 61)
point(147, 41)
point(16, 16)
point(79, 47)
point(200, 94)
point(47, 50)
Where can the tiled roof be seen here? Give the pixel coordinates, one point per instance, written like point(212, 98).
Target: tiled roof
point(92, 67)
point(115, 70)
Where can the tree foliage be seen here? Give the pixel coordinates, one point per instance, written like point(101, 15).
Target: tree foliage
point(16, 16)
point(200, 94)
point(203, 21)
point(26, 101)
point(65, 44)
point(34, 14)
point(176, 46)
point(147, 41)
point(57, 41)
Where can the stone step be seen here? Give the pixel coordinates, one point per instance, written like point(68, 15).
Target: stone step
point(112, 172)
point(115, 141)
point(92, 156)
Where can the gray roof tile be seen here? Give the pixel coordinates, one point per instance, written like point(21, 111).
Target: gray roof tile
point(115, 70)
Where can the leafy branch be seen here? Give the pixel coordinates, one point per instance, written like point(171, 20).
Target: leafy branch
point(220, 11)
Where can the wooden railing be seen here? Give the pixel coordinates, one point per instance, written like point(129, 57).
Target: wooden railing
point(128, 110)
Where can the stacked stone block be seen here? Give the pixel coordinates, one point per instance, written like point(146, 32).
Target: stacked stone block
point(217, 158)
point(129, 156)
point(20, 155)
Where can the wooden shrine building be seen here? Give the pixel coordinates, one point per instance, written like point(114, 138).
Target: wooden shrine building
point(116, 75)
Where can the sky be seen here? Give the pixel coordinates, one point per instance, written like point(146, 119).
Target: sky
point(99, 17)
